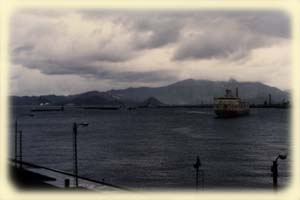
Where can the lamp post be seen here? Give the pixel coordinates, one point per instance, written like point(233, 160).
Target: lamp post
point(16, 134)
point(75, 161)
point(20, 150)
point(274, 170)
point(197, 166)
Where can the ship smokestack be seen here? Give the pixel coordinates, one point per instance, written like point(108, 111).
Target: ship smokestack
point(237, 92)
point(228, 93)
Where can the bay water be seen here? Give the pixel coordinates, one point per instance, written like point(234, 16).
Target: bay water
point(155, 149)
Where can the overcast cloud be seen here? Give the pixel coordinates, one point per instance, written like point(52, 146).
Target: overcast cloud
point(74, 51)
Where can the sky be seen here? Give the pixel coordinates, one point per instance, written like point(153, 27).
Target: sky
point(72, 51)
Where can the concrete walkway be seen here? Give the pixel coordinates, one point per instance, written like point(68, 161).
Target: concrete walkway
point(36, 177)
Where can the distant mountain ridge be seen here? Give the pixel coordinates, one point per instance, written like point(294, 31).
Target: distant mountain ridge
point(186, 92)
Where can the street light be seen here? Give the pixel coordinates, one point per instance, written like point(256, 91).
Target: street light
point(197, 165)
point(75, 162)
point(274, 170)
point(21, 157)
point(16, 134)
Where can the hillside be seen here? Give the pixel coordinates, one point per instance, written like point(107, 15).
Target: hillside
point(186, 92)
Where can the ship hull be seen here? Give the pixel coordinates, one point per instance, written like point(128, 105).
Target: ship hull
point(231, 113)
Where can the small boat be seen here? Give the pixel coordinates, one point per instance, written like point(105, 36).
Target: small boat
point(101, 107)
point(230, 106)
point(49, 109)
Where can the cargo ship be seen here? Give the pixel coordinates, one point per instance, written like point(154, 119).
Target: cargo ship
point(230, 105)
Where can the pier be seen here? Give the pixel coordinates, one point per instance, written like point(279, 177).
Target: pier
point(32, 176)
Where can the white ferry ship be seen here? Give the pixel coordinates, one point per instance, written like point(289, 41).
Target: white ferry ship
point(230, 106)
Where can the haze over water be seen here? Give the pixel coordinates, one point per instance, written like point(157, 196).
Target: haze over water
point(156, 148)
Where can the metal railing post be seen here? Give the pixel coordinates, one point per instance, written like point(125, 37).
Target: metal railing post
point(16, 141)
point(75, 170)
point(20, 149)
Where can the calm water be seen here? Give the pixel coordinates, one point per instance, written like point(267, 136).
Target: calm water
point(156, 148)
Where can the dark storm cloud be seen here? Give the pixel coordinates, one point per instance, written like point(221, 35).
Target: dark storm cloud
point(233, 35)
point(269, 22)
point(105, 72)
point(83, 69)
point(161, 32)
point(97, 43)
point(213, 45)
point(24, 48)
point(252, 29)
point(150, 29)
point(144, 77)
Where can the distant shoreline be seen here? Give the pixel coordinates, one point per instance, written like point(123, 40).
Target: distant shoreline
point(89, 107)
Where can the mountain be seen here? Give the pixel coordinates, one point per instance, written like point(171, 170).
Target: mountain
point(87, 98)
point(26, 100)
point(186, 92)
point(203, 91)
point(92, 98)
